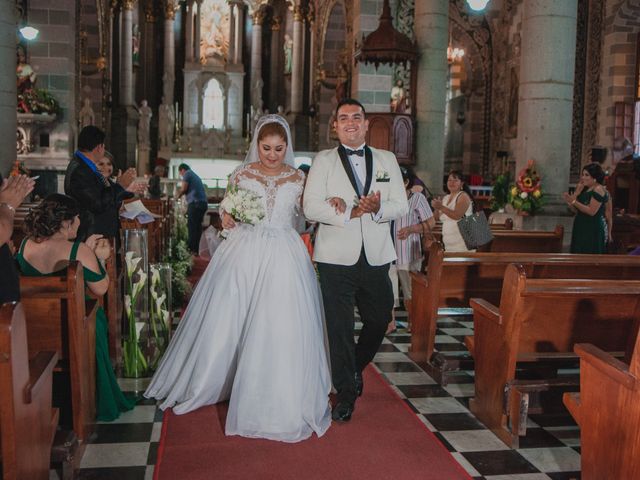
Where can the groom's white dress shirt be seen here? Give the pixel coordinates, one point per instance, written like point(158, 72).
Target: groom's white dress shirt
point(340, 239)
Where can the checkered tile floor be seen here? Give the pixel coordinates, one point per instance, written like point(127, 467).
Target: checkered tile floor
point(126, 449)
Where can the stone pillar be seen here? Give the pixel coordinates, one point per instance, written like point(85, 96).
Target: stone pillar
point(312, 55)
point(239, 33)
point(545, 107)
point(126, 49)
point(297, 61)
point(189, 32)
point(8, 94)
point(432, 33)
point(276, 67)
point(198, 34)
point(231, 54)
point(168, 77)
point(256, 58)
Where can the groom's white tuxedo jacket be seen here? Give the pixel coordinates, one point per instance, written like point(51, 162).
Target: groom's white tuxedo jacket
point(339, 240)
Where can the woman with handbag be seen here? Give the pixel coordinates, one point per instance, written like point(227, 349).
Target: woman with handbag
point(457, 204)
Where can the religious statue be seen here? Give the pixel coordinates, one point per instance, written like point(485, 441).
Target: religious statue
point(166, 120)
point(25, 75)
point(398, 98)
point(144, 123)
point(256, 95)
point(288, 53)
point(135, 45)
point(86, 116)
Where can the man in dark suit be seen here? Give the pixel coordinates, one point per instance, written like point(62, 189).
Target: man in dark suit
point(98, 198)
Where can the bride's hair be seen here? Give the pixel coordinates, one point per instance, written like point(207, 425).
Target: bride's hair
point(272, 128)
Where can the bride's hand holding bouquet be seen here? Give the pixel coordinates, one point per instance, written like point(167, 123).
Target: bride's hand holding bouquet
point(240, 205)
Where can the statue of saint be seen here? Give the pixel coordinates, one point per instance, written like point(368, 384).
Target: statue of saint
point(398, 98)
point(288, 53)
point(166, 120)
point(86, 116)
point(144, 123)
point(25, 75)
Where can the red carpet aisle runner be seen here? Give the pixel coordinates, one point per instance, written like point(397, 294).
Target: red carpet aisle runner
point(384, 440)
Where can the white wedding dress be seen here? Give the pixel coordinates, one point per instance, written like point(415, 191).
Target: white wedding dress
point(253, 332)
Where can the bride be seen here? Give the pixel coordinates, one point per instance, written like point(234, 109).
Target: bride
point(253, 332)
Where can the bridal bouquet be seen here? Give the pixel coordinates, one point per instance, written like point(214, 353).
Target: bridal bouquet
point(243, 205)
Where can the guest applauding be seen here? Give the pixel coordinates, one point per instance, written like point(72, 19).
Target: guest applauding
point(51, 228)
point(96, 196)
point(12, 192)
point(589, 202)
point(457, 204)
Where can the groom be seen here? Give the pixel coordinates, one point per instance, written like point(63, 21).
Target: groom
point(354, 191)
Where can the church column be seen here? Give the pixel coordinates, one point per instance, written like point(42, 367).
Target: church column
point(126, 50)
point(8, 94)
point(168, 77)
point(545, 108)
point(256, 57)
point(239, 33)
point(231, 54)
point(198, 31)
point(312, 56)
point(276, 69)
point(189, 32)
point(431, 27)
point(297, 61)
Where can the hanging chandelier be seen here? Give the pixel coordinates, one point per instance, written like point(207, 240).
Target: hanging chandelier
point(477, 5)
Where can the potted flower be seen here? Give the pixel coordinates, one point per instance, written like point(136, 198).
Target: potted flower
point(500, 192)
point(526, 195)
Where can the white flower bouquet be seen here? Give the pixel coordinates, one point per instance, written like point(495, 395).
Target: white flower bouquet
point(243, 205)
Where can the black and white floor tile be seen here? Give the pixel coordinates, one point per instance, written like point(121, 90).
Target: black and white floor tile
point(126, 449)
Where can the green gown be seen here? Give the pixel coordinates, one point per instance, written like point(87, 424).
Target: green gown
point(590, 232)
point(110, 399)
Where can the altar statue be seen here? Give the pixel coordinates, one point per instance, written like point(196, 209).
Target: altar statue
point(144, 123)
point(288, 53)
point(166, 119)
point(25, 75)
point(86, 116)
point(398, 98)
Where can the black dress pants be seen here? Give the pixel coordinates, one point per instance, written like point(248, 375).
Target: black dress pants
point(344, 287)
point(195, 215)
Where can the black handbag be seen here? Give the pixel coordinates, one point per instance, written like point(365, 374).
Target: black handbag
point(475, 230)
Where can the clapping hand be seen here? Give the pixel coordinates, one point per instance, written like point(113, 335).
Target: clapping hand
point(370, 203)
point(579, 188)
point(404, 233)
point(125, 179)
point(92, 241)
point(338, 204)
point(436, 203)
point(137, 187)
point(102, 249)
point(568, 198)
point(14, 190)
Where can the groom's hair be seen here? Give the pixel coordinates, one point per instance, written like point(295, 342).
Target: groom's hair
point(349, 101)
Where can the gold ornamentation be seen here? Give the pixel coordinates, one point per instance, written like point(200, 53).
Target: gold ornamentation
point(170, 10)
point(128, 4)
point(298, 13)
point(275, 24)
point(258, 17)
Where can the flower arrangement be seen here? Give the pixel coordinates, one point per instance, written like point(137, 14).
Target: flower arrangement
point(38, 100)
point(526, 195)
point(135, 363)
point(159, 311)
point(500, 192)
point(243, 205)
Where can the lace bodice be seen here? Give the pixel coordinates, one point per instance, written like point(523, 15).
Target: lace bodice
point(280, 193)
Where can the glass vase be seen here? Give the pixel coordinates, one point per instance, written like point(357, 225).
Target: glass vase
point(136, 303)
point(160, 311)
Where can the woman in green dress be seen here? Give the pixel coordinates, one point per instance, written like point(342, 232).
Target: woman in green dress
point(48, 247)
point(589, 202)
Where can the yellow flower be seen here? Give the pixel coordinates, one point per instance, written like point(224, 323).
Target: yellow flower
point(527, 182)
point(537, 193)
point(514, 191)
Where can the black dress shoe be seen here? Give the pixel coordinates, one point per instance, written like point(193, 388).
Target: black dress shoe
point(343, 411)
point(359, 383)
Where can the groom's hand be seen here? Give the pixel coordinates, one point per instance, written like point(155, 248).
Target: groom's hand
point(371, 203)
point(338, 204)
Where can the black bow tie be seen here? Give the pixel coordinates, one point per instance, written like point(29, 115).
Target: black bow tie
point(359, 153)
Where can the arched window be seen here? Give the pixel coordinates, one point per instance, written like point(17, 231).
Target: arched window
point(213, 106)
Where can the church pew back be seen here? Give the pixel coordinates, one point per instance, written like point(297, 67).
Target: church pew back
point(540, 320)
point(27, 421)
point(61, 320)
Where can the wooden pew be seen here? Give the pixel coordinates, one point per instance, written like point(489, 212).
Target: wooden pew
point(452, 279)
point(538, 323)
point(526, 241)
point(27, 421)
point(59, 318)
point(608, 412)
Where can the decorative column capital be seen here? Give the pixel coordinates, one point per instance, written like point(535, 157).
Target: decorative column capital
point(170, 10)
point(298, 13)
point(311, 14)
point(276, 23)
point(128, 4)
point(114, 5)
point(258, 17)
